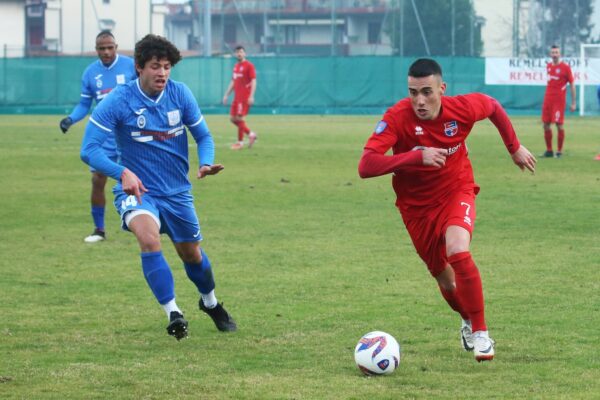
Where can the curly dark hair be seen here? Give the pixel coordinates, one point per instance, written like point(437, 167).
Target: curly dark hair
point(155, 46)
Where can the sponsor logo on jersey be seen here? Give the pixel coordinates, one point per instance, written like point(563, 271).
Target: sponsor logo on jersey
point(100, 94)
point(454, 149)
point(418, 130)
point(148, 136)
point(140, 111)
point(381, 125)
point(450, 128)
point(141, 121)
point(174, 117)
point(98, 80)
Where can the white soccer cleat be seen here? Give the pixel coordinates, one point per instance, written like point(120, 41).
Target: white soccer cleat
point(466, 335)
point(483, 346)
point(251, 139)
point(97, 236)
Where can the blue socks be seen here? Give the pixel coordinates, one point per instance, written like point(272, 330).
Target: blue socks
point(201, 274)
point(159, 276)
point(98, 216)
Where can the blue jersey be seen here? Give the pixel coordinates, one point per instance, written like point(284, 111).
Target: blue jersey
point(151, 136)
point(97, 81)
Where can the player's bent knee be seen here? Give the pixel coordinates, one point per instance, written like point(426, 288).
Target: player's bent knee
point(98, 180)
point(189, 252)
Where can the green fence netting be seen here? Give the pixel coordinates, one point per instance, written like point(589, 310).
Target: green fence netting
point(321, 85)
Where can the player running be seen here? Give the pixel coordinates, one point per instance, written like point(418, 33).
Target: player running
point(149, 116)
point(555, 100)
point(98, 79)
point(434, 185)
point(243, 83)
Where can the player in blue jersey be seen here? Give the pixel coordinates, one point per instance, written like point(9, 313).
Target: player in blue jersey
point(98, 79)
point(148, 117)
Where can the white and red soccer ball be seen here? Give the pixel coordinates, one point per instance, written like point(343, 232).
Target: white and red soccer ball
point(377, 353)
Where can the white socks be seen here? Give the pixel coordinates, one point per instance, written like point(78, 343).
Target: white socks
point(171, 306)
point(209, 300)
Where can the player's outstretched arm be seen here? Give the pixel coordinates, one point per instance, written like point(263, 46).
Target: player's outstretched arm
point(524, 159)
point(374, 164)
point(206, 170)
point(78, 113)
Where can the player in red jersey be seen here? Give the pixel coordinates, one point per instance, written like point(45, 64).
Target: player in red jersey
point(243, 83)
point(555, 100)
point(434, 185)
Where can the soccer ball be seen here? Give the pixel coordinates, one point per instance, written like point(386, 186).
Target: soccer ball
point(377, 353)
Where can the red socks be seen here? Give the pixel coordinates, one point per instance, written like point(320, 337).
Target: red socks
point(452, 299)
point(548, 139)
point(242, 129)
point(469, 289)
point(561, 139)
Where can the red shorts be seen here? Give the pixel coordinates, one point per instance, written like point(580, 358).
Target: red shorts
point(553, 111)
point(428, 232)
point(239, 108)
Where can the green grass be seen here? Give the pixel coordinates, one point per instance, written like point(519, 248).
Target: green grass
point(307, 257)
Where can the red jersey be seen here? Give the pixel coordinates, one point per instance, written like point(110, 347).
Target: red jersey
point(243, 74)
point(420, 187)
point(558, 77)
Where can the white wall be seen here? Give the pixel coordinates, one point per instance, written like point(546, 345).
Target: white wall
point(497, 31)
point(81, 23)
point(12, 28)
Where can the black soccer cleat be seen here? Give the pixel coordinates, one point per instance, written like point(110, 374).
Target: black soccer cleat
point(221, 318)
point(178, 326)
point(548, 154)
point(558, 154)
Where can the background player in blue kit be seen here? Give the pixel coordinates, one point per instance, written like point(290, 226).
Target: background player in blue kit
point(148, 117)
point(98, 79)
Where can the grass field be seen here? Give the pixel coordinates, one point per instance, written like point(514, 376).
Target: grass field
point(307, 258)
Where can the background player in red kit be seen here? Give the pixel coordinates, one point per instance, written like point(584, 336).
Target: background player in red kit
point(434, 185)
point(243, 83)
point(555, 100)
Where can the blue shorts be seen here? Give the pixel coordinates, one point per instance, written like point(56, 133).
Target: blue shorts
point(175, 214)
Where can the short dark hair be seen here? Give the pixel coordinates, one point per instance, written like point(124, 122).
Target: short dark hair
point(424, 67)
point(105, 33)
point(555, 46)
point(155, 46)
point(240, 47)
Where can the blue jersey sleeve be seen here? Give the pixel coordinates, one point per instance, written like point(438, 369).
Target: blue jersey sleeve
point(103, 122)
point(86, 99)
point(194, 120)
point(81, 109)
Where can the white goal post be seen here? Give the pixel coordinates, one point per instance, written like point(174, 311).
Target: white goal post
point(587, 52)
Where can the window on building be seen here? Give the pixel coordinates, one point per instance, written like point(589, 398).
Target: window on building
point(230, 34)
point(291, 34)
point(373, 34)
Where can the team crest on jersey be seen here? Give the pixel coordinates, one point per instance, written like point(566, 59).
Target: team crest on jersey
point(120, 79)
point(381, 125)
point(174, 117)
point(450, 128)
point(141, 122)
